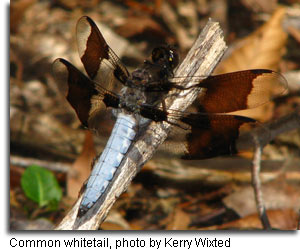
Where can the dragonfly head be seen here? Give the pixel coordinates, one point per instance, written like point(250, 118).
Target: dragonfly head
point(166, 56)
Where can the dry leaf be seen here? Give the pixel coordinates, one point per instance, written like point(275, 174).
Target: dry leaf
point(262, 49)
point(26, 224)
point(175, 25)
point(13, 201)
point(82, 166)
point(179, 220)
point(260, 5)
point(276, 196)
point(115, 221)
point(137, 25)
point(279, 219)
point(17, 11)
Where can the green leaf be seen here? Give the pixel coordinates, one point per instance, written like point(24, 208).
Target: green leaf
point(41, 186)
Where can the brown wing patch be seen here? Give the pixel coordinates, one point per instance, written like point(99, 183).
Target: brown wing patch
point(240, 90)
point(94, 51)
point(92, 47)
point(84, 95)
point(212, 135)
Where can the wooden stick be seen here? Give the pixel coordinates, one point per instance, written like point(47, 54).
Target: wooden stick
point(289, 122)
point(256, 183)
point(25, 162)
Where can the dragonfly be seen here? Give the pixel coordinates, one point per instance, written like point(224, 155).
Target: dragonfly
point(207, 132)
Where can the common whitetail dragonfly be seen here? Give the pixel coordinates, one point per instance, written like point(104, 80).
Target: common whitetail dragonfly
point(209, 132)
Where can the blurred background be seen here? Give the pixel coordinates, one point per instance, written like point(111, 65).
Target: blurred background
point(51, 155)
